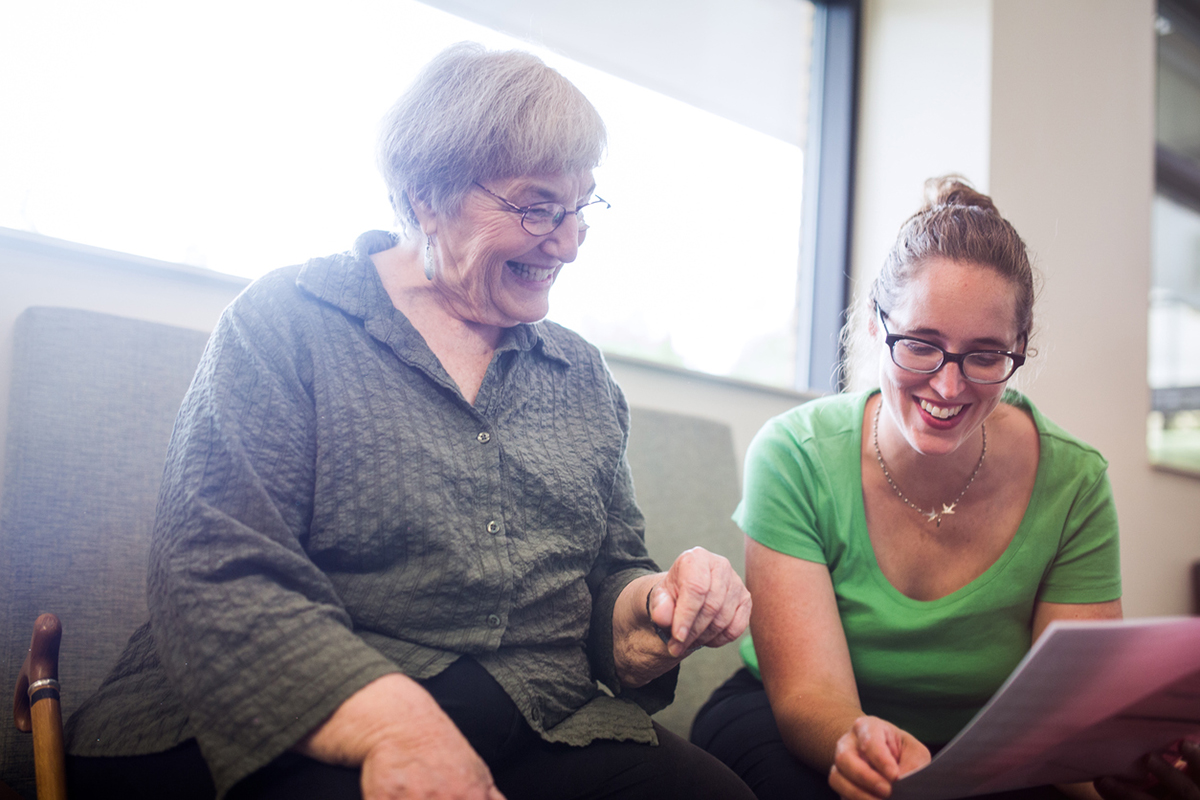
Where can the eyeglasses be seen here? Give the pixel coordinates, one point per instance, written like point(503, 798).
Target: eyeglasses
point(542, 219)
point(926, 358)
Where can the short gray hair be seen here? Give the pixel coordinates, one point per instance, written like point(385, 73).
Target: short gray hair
point(473, 115)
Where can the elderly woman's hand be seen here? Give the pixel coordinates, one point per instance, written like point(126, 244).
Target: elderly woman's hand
point(659, 619)
point(701, 602)
point(395, 770)
point(406, 745)
point(1172, 783)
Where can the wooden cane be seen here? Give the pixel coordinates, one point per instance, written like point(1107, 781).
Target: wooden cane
point(36, 708)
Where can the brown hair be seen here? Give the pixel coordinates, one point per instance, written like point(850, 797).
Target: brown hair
point(959, 224)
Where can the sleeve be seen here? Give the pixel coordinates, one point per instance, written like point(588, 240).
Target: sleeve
point(781, 505)
point(623, 558)
point(1087, 566)
point(251, 633)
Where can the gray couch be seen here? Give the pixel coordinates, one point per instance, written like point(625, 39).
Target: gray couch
point(92, 403)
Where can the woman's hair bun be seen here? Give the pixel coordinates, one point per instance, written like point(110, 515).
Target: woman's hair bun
point(955, 190)
point(957, 223)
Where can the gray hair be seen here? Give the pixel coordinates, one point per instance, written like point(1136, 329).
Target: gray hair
point(473, 115)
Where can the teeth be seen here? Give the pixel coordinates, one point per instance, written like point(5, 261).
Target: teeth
point(939, 412)
point(530, 273)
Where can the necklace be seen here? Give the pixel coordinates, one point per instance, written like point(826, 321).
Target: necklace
point(933, 515)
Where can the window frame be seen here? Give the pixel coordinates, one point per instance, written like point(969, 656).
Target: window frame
point(1176, 178)
point(826, 227)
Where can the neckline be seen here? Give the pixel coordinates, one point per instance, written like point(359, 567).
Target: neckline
point(862, 537)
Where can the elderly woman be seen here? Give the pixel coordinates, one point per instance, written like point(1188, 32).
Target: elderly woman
point(906, 545)
point(397, 545)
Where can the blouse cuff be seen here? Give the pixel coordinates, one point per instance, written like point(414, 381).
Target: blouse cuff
point(655, 695)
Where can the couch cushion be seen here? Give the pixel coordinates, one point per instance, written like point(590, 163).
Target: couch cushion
point(92, 402)
point(685, 476)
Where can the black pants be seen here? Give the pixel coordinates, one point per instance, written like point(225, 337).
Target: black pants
point(524, 766)
point(736, 725)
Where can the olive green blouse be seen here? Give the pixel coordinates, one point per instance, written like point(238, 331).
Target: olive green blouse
point(333, 509)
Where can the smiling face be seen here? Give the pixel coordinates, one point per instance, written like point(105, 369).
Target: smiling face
point(490, 270)
point(959, 307)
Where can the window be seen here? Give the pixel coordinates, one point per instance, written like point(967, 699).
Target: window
point(1173, 434)
point(240, 137)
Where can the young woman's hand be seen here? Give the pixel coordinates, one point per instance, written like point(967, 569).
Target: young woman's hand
point(871, 757)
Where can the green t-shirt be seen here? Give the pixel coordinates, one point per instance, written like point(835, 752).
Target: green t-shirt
point(928, 666)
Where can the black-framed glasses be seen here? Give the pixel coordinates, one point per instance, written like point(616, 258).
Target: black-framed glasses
point(925, 358)
point(542, 219)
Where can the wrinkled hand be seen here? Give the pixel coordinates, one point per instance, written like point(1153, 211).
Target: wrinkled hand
point(406, 746)
point(701, 601)
point(1172, 783)
point(871, 757)
point(432, 770)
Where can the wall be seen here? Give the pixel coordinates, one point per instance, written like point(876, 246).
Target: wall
point(38, 271)
point(923, 111)
point(1048, 106)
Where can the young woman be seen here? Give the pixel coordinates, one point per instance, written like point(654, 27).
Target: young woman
point(906, 545)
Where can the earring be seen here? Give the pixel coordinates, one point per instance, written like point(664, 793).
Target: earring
point(429, 258)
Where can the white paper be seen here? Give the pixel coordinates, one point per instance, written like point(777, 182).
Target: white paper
point(1089, 699)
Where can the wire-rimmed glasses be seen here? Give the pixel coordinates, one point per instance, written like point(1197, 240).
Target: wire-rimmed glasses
point(542, 219)
point(925, 358)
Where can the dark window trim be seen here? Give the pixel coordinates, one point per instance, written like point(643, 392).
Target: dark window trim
point(1182, 12)
point(1177, 178)
point(824, 295)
